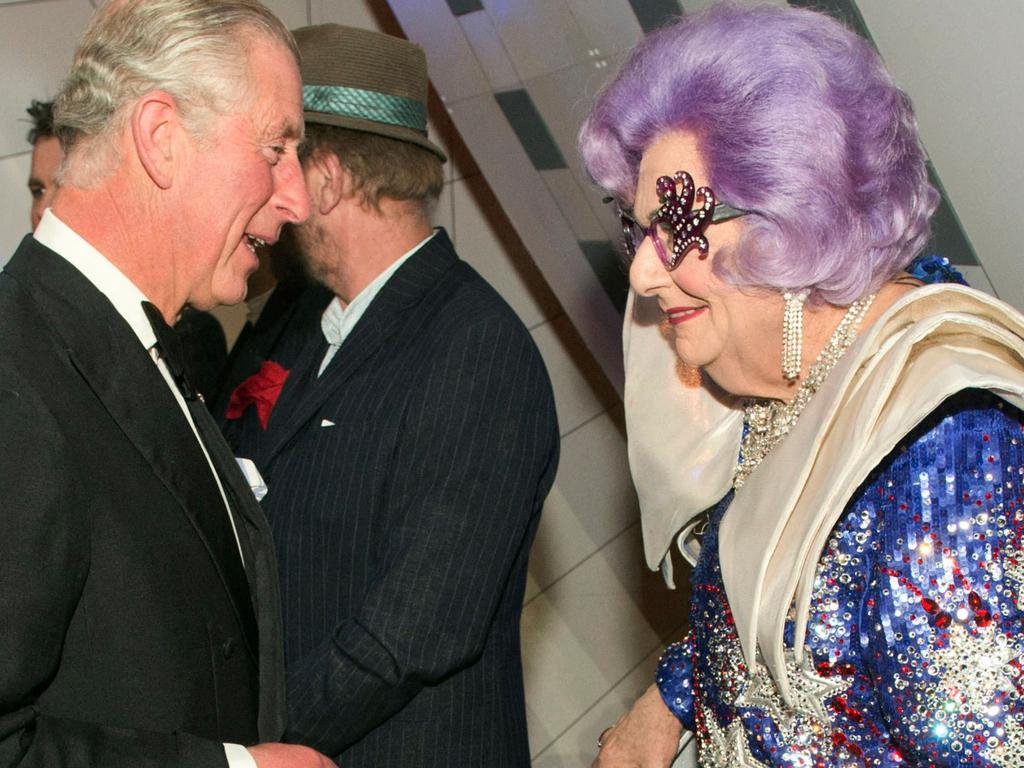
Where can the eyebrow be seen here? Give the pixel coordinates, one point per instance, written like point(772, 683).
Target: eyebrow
point(285, 129)
point(293, 131)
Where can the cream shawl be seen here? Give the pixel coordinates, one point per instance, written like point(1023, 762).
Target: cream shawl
point(933, 342)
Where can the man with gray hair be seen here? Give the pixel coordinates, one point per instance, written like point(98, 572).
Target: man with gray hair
point(137, 583)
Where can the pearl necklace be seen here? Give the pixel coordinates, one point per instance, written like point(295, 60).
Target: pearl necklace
point(766, 422)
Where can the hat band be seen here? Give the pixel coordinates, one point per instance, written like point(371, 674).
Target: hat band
point(365, 105)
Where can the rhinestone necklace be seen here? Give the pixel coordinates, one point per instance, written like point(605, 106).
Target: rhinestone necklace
point(766, 422)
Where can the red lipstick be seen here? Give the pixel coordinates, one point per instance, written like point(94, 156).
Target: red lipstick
point(677, 315)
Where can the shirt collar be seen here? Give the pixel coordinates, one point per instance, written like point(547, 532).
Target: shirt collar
point(337, 321)
point(97, 269)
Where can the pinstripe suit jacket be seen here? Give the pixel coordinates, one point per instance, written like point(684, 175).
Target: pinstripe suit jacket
point(406, 484)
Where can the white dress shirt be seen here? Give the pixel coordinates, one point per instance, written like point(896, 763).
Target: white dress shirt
point(337, 321)
point(127, 300)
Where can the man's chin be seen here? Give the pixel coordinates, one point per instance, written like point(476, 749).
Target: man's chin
point(230, 299)
point(227, 297)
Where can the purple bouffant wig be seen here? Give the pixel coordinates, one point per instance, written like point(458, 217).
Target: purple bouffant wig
point(799, 121)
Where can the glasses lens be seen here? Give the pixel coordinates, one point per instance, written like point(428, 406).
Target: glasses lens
point(632, 234)
point(661, 236)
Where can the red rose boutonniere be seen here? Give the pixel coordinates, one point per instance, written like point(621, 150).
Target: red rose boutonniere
point(261, 389)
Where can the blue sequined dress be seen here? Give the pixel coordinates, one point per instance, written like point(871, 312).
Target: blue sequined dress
point(916, 635)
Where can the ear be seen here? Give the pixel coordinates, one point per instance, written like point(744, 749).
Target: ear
point(328, 180)
point(156, 125)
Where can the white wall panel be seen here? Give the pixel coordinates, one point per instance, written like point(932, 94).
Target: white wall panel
point(15, 202)
point(37, 41)
point(292, 12)
point(540, 36)
point(576, 747)
point(577, 398)
point(354, 13)
point(976, 278)
point(548, 238)
point(607, 27)
point(489, 49)
point(434, 19)
point(491, 246)
point(577, 209)
point(561, 678)
point(594, 631)
point(593, 501)
point(564, 98)
point(962, 63)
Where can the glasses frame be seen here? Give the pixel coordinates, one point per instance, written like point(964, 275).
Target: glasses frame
point(686, 226)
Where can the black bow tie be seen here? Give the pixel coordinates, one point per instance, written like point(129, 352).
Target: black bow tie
point(168, 342)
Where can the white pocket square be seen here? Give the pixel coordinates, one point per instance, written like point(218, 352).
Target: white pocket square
point(326, 423)
point(253, 478)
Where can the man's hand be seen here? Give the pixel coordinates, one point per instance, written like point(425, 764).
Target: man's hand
point(646, 737)
point(288, 756)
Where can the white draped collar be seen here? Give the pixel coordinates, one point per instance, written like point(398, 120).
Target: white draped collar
point(683, 445)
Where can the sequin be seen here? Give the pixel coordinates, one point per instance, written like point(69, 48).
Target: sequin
point(915, 642)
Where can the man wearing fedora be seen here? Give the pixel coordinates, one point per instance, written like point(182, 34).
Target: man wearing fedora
point(410, 449)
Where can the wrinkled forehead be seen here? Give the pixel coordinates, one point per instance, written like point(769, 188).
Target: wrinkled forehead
point(275, 89)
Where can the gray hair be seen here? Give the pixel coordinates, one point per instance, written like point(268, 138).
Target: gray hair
point(195, 50)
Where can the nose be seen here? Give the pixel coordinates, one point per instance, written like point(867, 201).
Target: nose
point(291, 197)
point(647, 275)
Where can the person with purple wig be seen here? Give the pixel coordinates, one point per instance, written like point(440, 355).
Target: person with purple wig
point(837, 449)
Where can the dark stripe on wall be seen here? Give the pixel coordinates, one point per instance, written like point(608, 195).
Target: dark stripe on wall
point(462, 7)
point(606, 261)
point(531, 129)
point(948, 238)
point(654, 13)
point(844, 10)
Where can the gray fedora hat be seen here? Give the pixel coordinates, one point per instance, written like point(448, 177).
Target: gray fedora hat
point(366, 81)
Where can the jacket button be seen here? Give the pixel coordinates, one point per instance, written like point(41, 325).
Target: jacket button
point(228, 648)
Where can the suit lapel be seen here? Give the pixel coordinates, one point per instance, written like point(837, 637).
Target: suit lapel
point(256, 342)
point(107, 354)
point(401, 294)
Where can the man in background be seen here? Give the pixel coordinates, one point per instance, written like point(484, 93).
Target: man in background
point(137, 582)
point(411, 447)
point(46, 157)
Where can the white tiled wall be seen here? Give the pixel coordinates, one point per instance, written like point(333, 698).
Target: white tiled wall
point(36, 43)
point(594, 618)
point(14, 210)
point(961, 63)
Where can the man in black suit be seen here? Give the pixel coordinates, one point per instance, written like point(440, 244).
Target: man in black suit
point(410, 450)
point(137, 580)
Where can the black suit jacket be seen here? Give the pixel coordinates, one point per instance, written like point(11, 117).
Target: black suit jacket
point(205, 349)
point(121, 645)
point(405, 489)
